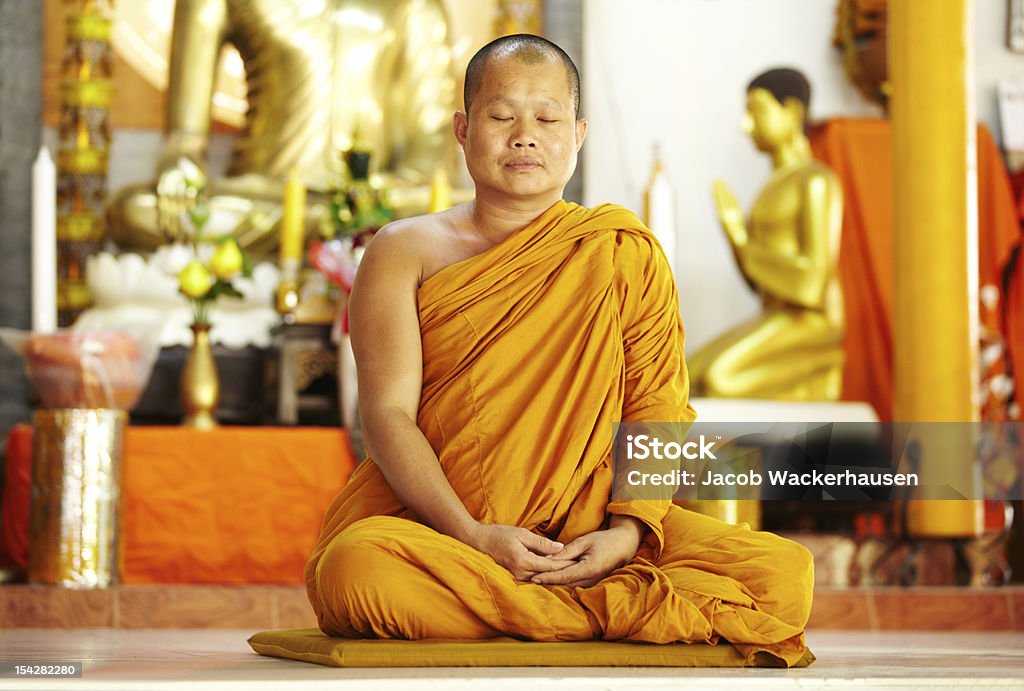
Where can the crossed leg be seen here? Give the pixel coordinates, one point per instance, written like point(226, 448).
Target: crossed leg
point(388, 577)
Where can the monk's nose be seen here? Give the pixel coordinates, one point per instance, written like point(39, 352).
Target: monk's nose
point(523, 138)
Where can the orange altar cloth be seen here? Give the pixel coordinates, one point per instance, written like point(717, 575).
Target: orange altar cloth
point(232, 505)
point(858, 151)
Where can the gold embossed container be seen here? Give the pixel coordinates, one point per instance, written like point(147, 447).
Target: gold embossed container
point(76, 536)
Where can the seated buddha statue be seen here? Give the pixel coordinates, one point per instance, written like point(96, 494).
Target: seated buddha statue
point(787, 251)
point(317, 72)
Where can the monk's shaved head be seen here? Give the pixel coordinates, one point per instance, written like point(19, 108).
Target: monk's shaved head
point(528, 49)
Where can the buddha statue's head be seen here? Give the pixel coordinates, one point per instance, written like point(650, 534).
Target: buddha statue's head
point(777, 104)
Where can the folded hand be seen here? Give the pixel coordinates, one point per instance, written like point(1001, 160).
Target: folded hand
point(593, 556)
point(523, 553)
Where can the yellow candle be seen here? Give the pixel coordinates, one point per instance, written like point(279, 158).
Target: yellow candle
point(293, 218)
point(440, 192)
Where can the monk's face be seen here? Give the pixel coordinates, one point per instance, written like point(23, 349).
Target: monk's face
point(521, 136)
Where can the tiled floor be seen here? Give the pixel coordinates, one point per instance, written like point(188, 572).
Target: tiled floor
point(205, 659)
point(286, 607)
point(156, 607)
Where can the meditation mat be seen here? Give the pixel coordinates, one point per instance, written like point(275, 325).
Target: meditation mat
point(311, 645)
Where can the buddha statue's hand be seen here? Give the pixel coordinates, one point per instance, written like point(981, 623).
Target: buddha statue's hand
point(730, 214)
point(180, 178)
point(523, 553)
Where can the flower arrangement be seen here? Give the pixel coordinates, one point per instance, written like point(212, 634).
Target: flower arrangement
point(203, 282)
point(358, 208)
point(215, 262)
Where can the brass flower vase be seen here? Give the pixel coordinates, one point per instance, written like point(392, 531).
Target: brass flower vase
point(200, 388)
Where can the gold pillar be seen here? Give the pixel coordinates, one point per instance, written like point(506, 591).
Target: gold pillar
point(935, 253)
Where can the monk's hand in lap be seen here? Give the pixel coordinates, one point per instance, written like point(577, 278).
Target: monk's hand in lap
point(596, 554)
point(523, 553)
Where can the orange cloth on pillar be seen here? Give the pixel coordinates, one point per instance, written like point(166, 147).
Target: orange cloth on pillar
point(532, 350)
point(858, 151)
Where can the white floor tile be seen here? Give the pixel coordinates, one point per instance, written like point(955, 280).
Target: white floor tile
point(215, 659)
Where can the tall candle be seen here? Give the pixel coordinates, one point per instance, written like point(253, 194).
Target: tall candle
point(293, 219)
point(440, 192)
point(44, 243)
point(659, 210)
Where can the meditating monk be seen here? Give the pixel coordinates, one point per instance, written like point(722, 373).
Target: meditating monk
point(497, 343)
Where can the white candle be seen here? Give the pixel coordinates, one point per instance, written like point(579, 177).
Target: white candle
point(44, 243)
point(659, 211)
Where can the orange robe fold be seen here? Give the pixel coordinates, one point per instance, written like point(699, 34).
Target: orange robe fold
point(531, 351)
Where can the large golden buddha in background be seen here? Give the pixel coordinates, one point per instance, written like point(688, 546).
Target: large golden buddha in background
point(788, 254)
point(317, 72)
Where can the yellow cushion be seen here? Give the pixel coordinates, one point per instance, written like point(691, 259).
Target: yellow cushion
point(311, 645)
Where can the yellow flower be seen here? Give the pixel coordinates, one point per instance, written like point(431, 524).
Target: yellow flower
point(195, 280)
point(227, 261)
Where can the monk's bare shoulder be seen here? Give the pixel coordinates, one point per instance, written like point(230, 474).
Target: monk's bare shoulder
point(407, 248)
point(419, 245)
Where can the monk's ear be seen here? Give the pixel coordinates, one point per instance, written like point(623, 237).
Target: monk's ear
point(581, 133)
point(460, 122)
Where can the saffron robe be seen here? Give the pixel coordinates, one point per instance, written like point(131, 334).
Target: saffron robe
point(531, 351)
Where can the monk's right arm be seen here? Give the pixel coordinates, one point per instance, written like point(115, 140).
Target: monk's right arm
point(388, 351)
point(387, 347)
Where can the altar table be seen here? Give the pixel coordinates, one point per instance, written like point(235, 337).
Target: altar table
point(231, 505)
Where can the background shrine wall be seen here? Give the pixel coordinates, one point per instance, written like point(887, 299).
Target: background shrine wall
point(32, 47)
point(676, 73)
point(653, 71)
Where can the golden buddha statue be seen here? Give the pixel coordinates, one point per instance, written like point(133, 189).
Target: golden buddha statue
point(787, 252)
point(317, 71)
